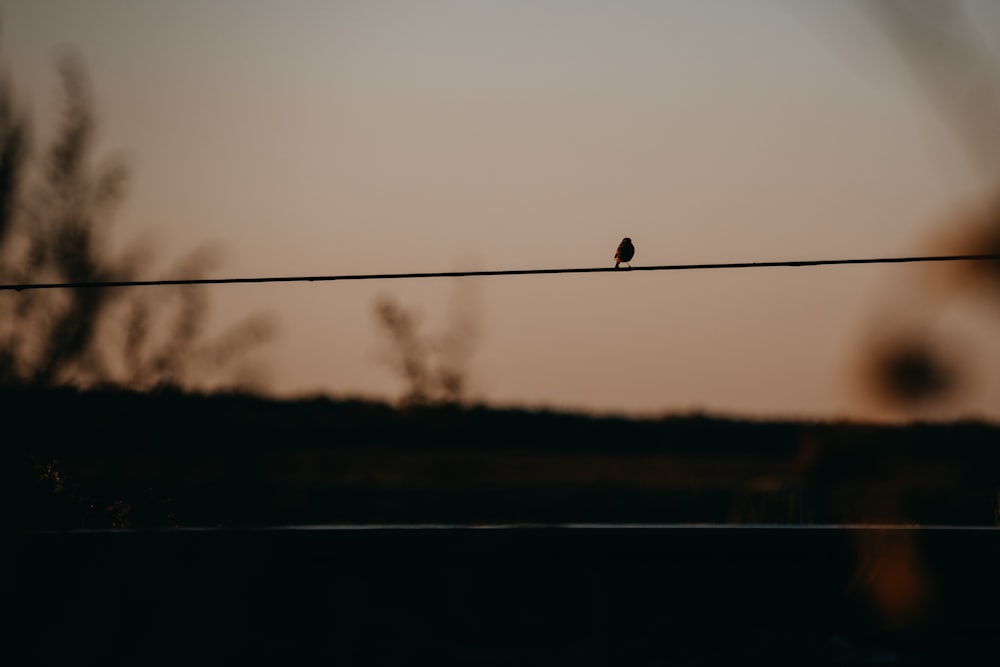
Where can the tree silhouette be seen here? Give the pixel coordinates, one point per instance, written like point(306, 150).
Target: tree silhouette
point(56, 229)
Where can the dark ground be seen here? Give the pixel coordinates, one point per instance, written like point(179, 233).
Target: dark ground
point(528, 596)
point(154, 529)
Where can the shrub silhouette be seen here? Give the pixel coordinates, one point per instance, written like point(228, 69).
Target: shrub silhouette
point(55, 228)
point(435, 367)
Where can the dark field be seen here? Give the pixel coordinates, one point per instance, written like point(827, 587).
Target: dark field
point(528, 596)
point(154, 529)
point(118, 459)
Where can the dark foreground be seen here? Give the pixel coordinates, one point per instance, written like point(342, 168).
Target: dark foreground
point(144, 529)
point(598, 595)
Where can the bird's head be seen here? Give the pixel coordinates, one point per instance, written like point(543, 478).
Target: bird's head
point(626, 240)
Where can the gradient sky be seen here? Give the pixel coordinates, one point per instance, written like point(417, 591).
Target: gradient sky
point(322, 137)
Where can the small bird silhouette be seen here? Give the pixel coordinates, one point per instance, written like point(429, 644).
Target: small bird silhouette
point(625, 252)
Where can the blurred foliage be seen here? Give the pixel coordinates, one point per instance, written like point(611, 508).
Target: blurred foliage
point(14, 132)
point(55, 220)
point(434, 367)
point(913, 363)
point(914, 372)
point(56, 210)
point(946, 45)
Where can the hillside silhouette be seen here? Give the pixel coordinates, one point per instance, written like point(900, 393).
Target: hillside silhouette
point(109, 458)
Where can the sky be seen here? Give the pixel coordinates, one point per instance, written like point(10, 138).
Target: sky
point(360, 136)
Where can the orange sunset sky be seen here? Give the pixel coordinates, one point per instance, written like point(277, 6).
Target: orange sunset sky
point(361, 136)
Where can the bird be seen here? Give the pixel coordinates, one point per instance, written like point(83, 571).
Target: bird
point(625, 252)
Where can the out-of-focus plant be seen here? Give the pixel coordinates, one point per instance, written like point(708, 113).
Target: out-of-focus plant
point(434, 367)
point(14, 132)
point(54, 227)
point(918, 358)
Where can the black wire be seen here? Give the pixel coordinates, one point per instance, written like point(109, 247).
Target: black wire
point(19, 287)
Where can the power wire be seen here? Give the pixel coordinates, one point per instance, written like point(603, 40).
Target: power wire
point(20, 287)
